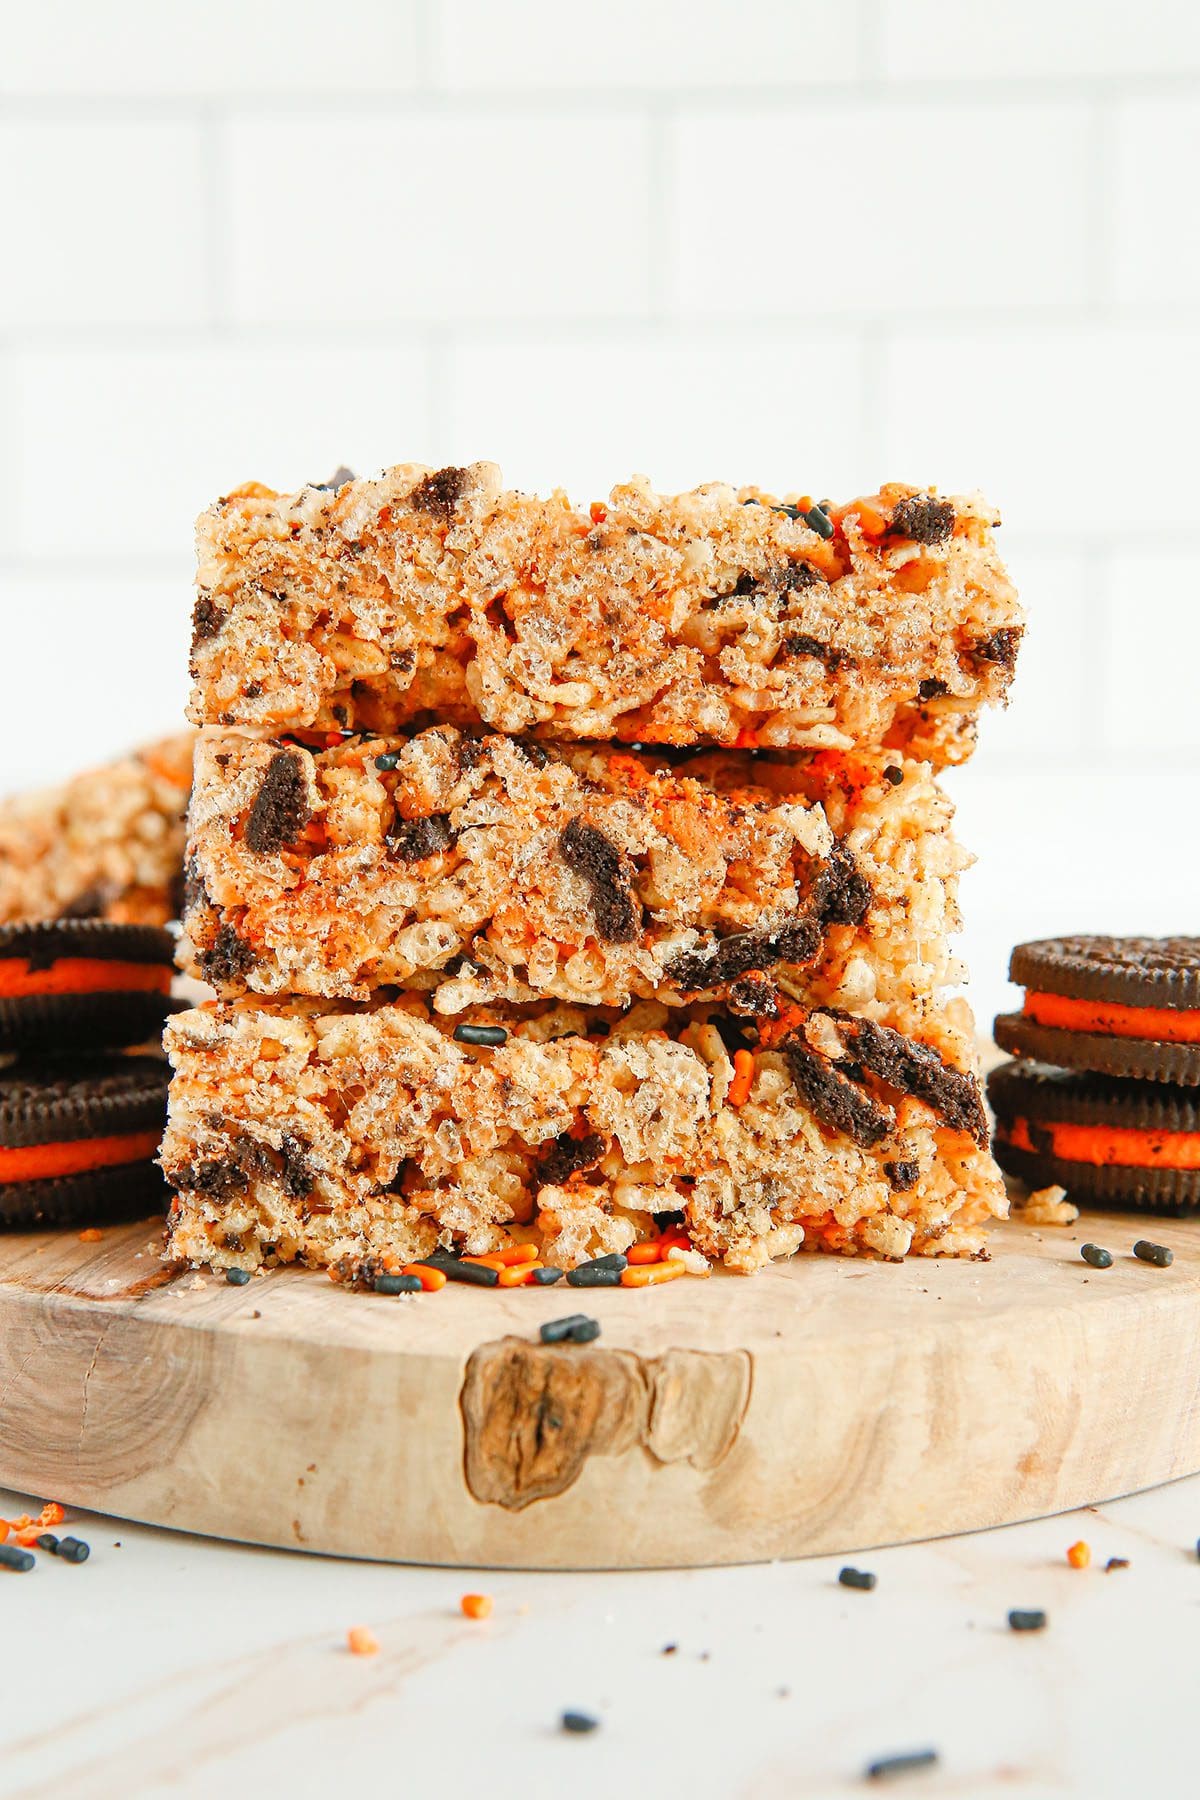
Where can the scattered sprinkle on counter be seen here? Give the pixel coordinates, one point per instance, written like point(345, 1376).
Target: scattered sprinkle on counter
point(1030, 1620)
point(579, 1722)
point(477, 1606)
point(1096, 1256)
point(1158, 1254)
point(1116, 1562)
point(73, 1550)
point(362, 1642)
point(856, 1578)
point(90, 1236)
point(1079, 1555)
point(397, 1284)
point(576, 1328)
point(20, 1561)
point(888, 1767)
point(237, 1277)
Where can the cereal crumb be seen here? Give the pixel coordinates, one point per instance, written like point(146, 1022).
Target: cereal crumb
point(1079, 1555)
point(1048, 1206)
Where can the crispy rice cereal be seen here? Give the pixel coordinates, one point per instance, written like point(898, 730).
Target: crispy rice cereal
point(107, 844)
point(338, 1136)
point(718, 616)
point(490, 870)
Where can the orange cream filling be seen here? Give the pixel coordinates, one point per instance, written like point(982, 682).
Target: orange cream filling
point(81, 975)
point(38, 1162)
point(1162, 1023)
point(1103, 1145)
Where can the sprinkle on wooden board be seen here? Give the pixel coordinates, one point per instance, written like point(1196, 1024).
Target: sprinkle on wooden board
point(652, 1274)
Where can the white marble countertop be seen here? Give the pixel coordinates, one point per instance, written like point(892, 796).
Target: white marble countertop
point(174, 1665)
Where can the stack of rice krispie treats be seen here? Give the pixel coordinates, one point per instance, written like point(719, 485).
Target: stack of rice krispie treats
point(563, 874)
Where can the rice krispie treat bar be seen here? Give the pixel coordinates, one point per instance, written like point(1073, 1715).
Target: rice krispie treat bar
point(107, 844)
point(300, 1131)
point(719, 616)
point(489, 869)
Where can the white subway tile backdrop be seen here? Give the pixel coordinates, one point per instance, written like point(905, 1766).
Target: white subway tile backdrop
point(811, 243)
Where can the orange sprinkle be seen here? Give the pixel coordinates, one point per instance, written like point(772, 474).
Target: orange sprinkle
point(90, 1236)
point(431, 1279)
point(598, 511)
point(477, 1606)
point(648, 1252)
point(1079, 1555)
point(518, 1253)
point(743, 1077)
point(361, 1641)
point(650, 1277)
point(519, 1275)
point(488, 1262)
point(675, 1238)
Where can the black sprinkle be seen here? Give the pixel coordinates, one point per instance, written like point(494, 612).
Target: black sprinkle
point(1027, 1621)
point(397, 1284)
point(590, 1277)
point(1116, 1562)
point(1158, 1254)
point(12, 1558)
point(894, 774)
point(579, 1722)
point(388, 761)
point(907, 1764)
point(819, 521)
point(474, 1274)
point(585, 1331)
point(74, 1550)
point(491, 1036)
point(48, 1542)
point(1096, 1256)
point(556, 1331)
point(237, 1277)
point(545, 1277)
point(856, 1578)
point(613, 1260)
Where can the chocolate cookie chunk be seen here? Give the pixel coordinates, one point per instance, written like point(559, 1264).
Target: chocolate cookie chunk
point(75, 983)
point(78, 1139)
point(1114, 1142)
point(1118, 1006)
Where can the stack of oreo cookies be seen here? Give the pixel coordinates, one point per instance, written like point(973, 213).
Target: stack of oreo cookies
point(81, 1114)
point(1103, 1097)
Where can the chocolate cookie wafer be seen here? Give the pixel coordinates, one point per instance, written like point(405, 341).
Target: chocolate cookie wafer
point(77, 984)
point(78, 1137)
point(1117, 1143)
point(1119, 1006)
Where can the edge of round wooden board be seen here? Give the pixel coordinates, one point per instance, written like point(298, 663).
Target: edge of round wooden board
point(825, 1405)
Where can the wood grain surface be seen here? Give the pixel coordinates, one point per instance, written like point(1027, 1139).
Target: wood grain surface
point(824, 1405)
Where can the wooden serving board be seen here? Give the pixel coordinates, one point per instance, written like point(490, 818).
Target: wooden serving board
point(826, 1405)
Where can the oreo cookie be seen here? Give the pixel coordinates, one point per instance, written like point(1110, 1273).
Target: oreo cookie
point(80, 983)
point(1115, 1142)
point(78, 1140)
point(1117, 1006)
